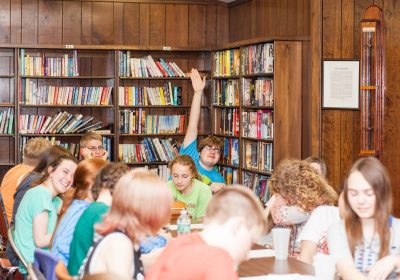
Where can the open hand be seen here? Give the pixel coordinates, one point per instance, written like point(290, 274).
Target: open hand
point(198, 83)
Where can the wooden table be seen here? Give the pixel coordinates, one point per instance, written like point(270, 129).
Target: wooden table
point(264, 266)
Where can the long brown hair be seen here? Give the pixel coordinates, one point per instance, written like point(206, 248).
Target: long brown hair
point(376, 175)
point(84, 178)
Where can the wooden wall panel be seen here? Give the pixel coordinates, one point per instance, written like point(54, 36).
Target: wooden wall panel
point(15, 19)
point(144, 24)
point(197, 26)
point(211, 26)
point(157, 24)
point(222, 25)
point(72, 22)
point(131, 23)
point(87, 12)
point(177, 25)
point(50, 22)
point(102, 23)
point(29, 18)
point(119, 24)
point(5, 21)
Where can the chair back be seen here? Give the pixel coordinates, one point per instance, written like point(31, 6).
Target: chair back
point(11, 240)
point(46, 262)
point(3, 222)
point(34, 273)
point(62, 271)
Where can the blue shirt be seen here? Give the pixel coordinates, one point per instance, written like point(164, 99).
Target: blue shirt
point(212, 175)
point(65, 230)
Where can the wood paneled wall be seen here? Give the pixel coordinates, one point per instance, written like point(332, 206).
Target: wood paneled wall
point(145, 23)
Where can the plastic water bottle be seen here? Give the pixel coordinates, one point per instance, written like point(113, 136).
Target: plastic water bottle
point(183, 223)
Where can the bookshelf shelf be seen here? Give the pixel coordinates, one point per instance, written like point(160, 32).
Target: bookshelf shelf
point(228, 165)
point(155, 106)
point(7, 163)
point(257, 75)
point(65, 106)
point(225, 106)
point(7, 135)
point(58, 135)
point(155, 78)
point(258, 139)
point(257, 107)
point(226, 77)
point(226, 135)
point(7, 105)
point(256, 171)
point(147, 163)
point(7, 76)
point(67, 77)
point(150, 134)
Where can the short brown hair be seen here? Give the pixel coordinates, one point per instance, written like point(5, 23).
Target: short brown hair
point(236, 201)
point(88, 137)
point(186, 161)
point(108, 177)
point(319, 161)
point(33, 149)
point(211, 141)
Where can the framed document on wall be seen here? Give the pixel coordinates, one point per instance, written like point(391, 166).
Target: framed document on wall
point(341, 84)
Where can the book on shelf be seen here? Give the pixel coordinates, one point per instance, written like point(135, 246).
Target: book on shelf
point(60, 123)
point(257, 92)
point(147, 67)
point(40, 64)
point(149, 150)
point(258, 156)
point(7, 121)
point(226, 63)
point(138, 121)
point(32, 94)
point(226, 121)
point(258, 59)
point(226, 92)
point(259, 184)
point(167, 95)
point(231, 151)
point(161, 170)
point(230, 174)
point(258, 124)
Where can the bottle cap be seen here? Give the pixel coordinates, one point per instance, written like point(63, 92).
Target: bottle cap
point(183, 212)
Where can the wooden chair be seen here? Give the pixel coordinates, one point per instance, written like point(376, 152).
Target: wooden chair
point(62, 272)
point(11, 240)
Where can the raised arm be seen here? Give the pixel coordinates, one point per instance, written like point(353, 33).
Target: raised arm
point(198, 85)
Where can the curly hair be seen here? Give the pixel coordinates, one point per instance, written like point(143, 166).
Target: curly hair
point(297, 182)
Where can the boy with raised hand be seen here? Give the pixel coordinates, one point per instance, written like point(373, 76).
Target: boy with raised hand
point(234, 221)
point(91, 146)
point(209, 151)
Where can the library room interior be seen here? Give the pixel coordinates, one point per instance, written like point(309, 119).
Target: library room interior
point(199, 139)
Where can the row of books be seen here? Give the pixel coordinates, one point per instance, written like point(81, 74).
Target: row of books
point(7, 121)
point(42, 65)
point(230, 174)
point(227, 121)
point(258, 183)
point(161, 170)
point(72, 147)
point(231, 151)
point(258, 124)
point(53, 95)
point(137, 122)
point(149, 150)
point(226, 92)
point(60, 123)
point(258, 92)
point(258, 155)
point(258, 59)
point(227, 63)
point(147, 67)
point(139, 96)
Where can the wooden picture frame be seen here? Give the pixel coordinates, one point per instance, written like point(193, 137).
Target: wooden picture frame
point(341, 84)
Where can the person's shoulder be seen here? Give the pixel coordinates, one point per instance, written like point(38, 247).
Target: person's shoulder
point(201, 184)
point(324, 210)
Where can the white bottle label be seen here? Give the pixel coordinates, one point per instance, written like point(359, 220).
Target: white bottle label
point(183, 228)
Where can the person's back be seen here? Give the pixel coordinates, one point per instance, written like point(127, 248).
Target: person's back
point(178, 262)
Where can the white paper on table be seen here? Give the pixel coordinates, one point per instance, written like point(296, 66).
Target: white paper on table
point(192, 226)
point(279, 277)
point(262, 253)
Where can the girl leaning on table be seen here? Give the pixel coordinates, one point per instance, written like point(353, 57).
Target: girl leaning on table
point(366, 244)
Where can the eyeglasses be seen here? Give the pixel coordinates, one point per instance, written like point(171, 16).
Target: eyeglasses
point(209, 149)
point(93, 149)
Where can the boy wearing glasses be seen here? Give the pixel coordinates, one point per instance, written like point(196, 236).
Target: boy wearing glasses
point(209, 151)
point(91, 146)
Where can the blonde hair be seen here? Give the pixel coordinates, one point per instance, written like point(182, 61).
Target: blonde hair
point(296, 181)
point(88, 137)
point(186, 161)
point(236, 201)
point(141, 205)
point(33, 150)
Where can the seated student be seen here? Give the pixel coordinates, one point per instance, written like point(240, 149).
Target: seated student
point(297, 190)
point(187, 187)
point(318, 165)
point(234, 221)
point(366, 244)
point(91, 145)
point(141, 206)
point(72, 209)
point(209, 151)
point(37, 212)
point(102, 191)
point(313, 237)
point(30, 157)
point(48, 157)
